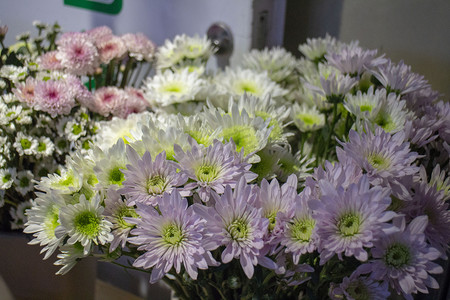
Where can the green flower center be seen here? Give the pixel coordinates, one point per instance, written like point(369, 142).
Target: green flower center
point(173, 235)
point(309, 120)
point(6, 178)
point(349, 224)
point(385, 121)
point(125, 211)
point(76, 129)
point(366, 107)
point(156, 185)
point(42, 147)
point(25, 143)
point(24, 182)
point(116, 176)
point(272, 216)
point(247, 86)
point(199, 137)
point(238, 230)
point(174, 87)
point(358, 290)
point(87, 223)
point(397, 255)
point(301, 229)
point(277, 131)
point(207, 173)
point(51, 221)
point(377, 161)
point(92, 179)
point(244, 136)
point(67, 181)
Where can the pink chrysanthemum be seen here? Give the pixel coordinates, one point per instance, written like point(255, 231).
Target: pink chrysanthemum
point(110, 47)
point(54, 97)
point(108, 99)
point(24, 91)
point(78, 54)
point(98, 33)
point(171, 237)
point(50, 61)
point(135, 103)
point(139, 46)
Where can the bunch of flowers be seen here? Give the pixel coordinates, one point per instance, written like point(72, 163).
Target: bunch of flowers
point(54, 89)
point(325, 176)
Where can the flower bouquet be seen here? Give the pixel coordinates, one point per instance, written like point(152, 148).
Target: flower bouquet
point(320, 177)
point(54, 89)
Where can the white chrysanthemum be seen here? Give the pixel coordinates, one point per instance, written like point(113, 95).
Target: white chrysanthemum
point(69, 256)
point(111, 131)
point(109, 164)
point(7, 177)
point(43, 218)
point(307, 118)
point(267, 109)
point(236, 82)
point(25, 144)
point(24, 118)
point(45, 147)
point(70, 181)
point(168, 88)
point(365, 105)
point(249, 134)
point(84, 222)
point(198, 129)
point(18, 214)
point(11, 113)
point(193, 66)
point(279, 63)
point(13, 73)
point(24, 182)
point(316, 48)
point(392, 114)
point(183, 47)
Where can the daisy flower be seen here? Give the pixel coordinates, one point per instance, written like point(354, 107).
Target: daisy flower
point(85, 223)
point(18, 215)
point(170, 238)
point(116, 210)
point(212, 168)
point(45, 147)
point(404, 259)
point(25, 145)
point(349, 220)
point(277, 62)
point(146, 180)
point(235, 223)
point(7, 177)
point(13, 73)
point(169, 88)
point(23, 182)
point(43, 218)
point(359, 287)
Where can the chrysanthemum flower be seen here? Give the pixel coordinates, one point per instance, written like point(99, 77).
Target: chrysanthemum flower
point(25, 144)
point(365, 105)
point(316, 48)
point(98, 33)
point(116, 209)
point(45, 147)
point(235, 223)
point(404, 259)
point(391, 115)
point(43, 218)
point(279, 63)
point(77, 54)
point(307, 118)
point(70, 181)
point(333, 85)
point(109, 165)
point(349, 220)
point(24, 91)
point(107, 99)
point(384, 157)
point(84, 222)
point(18, 216)
point(110, 47)
point(49, 61)
point(212, 168)
point(69, 256)
point(139, 46)
point(23, 182)
point(54, 97)
point(7, 177)
point(13, 73)
point(198, 128)
point(360, 287)
point(172, 238)
point(146, 180)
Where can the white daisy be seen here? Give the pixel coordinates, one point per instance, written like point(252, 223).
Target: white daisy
point(23, 182)
point(7, 177)
point(84, 223)
point(74, 130)
point(45, 147)
point(18, 214)
point(25, 144)
point(13, 73)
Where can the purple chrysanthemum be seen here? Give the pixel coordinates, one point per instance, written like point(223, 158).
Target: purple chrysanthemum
point(300, 232)
point(348, 220)
point(171, 238)
point(212, 168)
point(236, 224)
point(360, 287)
point(383, 156)
point(146, 181)
point(404, 259)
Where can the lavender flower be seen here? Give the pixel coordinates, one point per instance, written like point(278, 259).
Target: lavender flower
point(170, 239)
point(236, 224)
point(404, 259)
point(146, 181)
point(360, 287)
point(212, 168)
point(349, 220)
